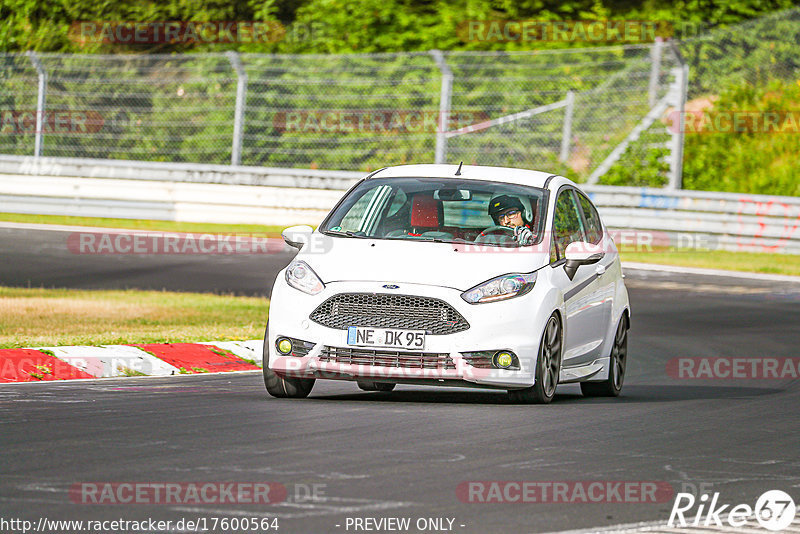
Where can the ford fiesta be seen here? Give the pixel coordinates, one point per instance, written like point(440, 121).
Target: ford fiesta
point(445, 275)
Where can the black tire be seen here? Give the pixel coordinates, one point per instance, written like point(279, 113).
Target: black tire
point(548, 367)
point(277, 386)
point(375, 386)
point(611, 386)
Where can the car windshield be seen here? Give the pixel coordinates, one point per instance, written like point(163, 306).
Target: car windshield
point(437, 209)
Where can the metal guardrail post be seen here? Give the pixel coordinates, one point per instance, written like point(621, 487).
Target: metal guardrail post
point(566, 132)
point(676, 155)
point(655, 70)
point(444, 106)
point(241, 102)
point(40, 104)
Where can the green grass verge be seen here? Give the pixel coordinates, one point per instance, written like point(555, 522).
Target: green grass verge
point(139, 224)
point(52, 317)
point(754, 262)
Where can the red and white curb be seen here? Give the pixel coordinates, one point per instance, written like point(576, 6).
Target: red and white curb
point(146, 359)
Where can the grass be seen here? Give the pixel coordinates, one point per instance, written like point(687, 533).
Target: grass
point(52, 317)
point(139, 224)
point(755, 262)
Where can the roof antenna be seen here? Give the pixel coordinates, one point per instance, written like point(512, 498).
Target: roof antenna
point(458, 172)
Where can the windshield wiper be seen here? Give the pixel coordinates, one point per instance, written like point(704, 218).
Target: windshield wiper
point(346, 233)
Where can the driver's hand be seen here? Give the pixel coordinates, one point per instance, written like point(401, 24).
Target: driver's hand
point(523, 235)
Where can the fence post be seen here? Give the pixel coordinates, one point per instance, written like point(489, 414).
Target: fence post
point(444, 106)
point(655, 69)
point(566, 132)
point(241, 97)
point(676, 153)
point(40, 104)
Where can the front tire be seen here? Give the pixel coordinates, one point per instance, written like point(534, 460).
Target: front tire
point(283, 387)
point(611, 386)
point(548, 367)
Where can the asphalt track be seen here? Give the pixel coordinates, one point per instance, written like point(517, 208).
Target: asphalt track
point(34, 258)
point(403, 454)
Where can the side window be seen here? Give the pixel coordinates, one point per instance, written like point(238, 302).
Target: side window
point(400, 199)
point(594, 229)
point(567, 224)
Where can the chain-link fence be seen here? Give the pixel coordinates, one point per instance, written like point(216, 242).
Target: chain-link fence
point(753, 54)
point(350, 112)
point(585, 113)
point(605, 92)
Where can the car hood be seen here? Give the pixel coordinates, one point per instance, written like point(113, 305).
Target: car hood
point(457, 265)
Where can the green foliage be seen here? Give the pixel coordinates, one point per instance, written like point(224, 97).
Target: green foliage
point(644, 168)
point(337, 26)
point(757, 162)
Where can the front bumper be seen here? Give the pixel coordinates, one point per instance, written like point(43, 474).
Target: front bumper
point(515, 325)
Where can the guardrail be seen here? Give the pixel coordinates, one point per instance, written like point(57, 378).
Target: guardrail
point(188, 192)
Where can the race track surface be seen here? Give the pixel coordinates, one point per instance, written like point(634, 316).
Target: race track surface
point(35, 258)
point(407, 453)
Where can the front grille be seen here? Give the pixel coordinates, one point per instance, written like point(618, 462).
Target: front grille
point(378, 310)
point(479, 360)
point(387, 358)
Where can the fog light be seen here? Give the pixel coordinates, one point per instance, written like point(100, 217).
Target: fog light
point(284, 345)
point(503, 359)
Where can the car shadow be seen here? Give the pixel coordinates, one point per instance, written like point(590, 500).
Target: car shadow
point(630, 394)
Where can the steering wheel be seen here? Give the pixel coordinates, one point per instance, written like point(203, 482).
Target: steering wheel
point(504, 231)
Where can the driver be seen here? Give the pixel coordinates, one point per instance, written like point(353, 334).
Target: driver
point(508, 211)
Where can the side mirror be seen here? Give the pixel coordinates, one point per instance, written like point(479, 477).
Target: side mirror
point(581, 253)
point(297, 236)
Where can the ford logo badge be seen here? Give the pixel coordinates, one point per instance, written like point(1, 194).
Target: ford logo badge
point(391, 286)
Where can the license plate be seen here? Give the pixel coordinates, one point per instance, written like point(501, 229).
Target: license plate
point(386, 337)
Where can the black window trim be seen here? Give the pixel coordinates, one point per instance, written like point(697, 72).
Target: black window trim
point(583, 215)
point(574, 190)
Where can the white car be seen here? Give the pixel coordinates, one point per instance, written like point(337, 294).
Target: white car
point(418, 277)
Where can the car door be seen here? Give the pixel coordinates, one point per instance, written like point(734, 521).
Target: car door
point(606, 275)
point(583, 298)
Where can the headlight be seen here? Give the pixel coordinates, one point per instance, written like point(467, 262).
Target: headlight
point(500, 288)
point(300, 276)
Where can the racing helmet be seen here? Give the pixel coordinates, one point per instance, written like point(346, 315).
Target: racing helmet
point(502, 203)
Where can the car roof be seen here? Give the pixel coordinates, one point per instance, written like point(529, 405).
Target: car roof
point(468, 172)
